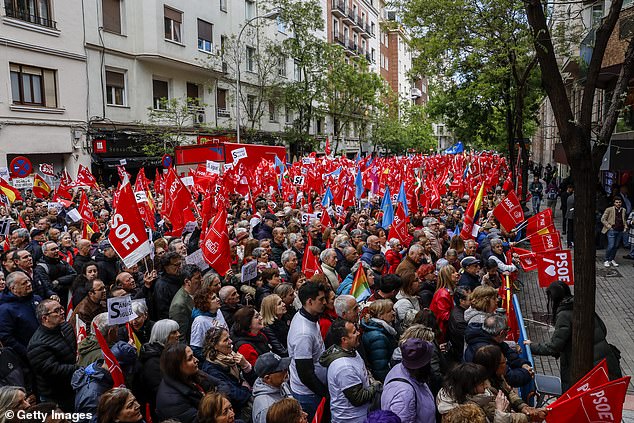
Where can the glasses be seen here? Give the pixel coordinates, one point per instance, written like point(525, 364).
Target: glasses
point(59, 309)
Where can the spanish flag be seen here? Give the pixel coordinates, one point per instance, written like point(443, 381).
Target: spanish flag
point(11, 193)
point(471, 215)
point(40, 188)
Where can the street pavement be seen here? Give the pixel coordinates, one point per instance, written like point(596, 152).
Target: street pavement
point(614, 303)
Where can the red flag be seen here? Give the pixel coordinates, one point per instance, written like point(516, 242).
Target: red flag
point(600, 404)
point(595, 377)
point(216, 244)
point(509, 212)
point(327, 149)
point(176, 202)
point(325, 220)
point(310, 264)
point(399, 226)
point(80, 329)
point(508, 184)
point(8, 190)
point(546, 242)
point(85, 210)
point(553, 266)
point(528, 259)
point(148, 413)
point(539, 221)
point(21, 222)
point(127, 232)
point(110, 359)
point(319, 413)
point(470, 213)
point(158, 182)
point(85, 178)
point(140, 195)
point(40, 188)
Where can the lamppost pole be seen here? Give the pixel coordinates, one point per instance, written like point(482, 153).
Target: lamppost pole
point(271, 15)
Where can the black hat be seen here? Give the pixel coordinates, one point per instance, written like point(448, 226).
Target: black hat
point(468, 261)
point(270, 216)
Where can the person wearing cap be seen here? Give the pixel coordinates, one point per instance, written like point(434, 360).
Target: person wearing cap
point(266, 227)
point(271, 384)
point(405, 391)
point(470, 277)
point(107, 262)
point(90, 382)
point(351, 392)
point(53, 272)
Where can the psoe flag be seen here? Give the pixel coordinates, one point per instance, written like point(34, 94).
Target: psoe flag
point(127, 232)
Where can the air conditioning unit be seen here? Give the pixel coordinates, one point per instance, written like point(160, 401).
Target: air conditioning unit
point(199, 118)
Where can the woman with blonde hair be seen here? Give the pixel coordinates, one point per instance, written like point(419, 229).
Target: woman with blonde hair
point(484, 301)
point(275, 327)
point(379, 336)
point(12, 398)
point(442, 303)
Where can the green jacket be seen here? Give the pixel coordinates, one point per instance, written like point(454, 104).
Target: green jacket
point(181, 311)
point(89, 351)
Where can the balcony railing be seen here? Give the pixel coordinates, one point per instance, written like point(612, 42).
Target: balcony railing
point(24, 15)
point(339, 8)
point(337, 38)
point(223, 113)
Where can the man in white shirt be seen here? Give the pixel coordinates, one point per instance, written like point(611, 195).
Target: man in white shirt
point(351, 392)
point(305, 347)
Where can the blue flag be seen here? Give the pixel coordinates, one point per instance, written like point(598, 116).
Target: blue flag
point(402, 198)
point(387, 199)
point(358, 182)
point(328, 197)
point(388, 216)
point(455, 149)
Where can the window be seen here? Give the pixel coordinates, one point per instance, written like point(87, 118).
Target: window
point(387, 64)
point(346, 35)
point(160, 94)
point(289, 116)
point(249, 9)
point(372, 27)
point(34, 11)
point(319, 125)
point(297, 71)
point(193, 95)
point(597, 14)
point(272, 112)
point(221, 102)
point(173, 21)
point(115, 88)
point(205, 30)
point(373, 56)
point(355, 40)
point(223, 5)
point(250, 59)
point(111, 15)
point(281, 26)
point(335, 28)
point(363, 46)
point(251, 99)
point(33, 86)
point(281, 63)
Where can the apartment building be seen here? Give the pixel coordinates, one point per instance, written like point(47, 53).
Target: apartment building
point(44, 97)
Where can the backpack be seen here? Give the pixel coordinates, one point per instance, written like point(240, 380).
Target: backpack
point(376, 401)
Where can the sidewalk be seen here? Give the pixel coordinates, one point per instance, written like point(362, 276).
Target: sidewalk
point(614, 303)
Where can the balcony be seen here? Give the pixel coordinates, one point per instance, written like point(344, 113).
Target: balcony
point(24, 15)
point(352, 19)
point(357, 22)
point(223, 112)
point(368, 57)
point(339, 8)
point(337, 38)
point(353, 47)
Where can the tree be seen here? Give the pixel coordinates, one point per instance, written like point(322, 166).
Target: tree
point(351, 91)
point(577, 137)
point(484, 53)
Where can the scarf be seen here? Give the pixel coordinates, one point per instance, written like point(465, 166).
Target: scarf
point(385, 325)
point(228, 362)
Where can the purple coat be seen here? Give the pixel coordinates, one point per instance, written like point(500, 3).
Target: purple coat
point(413, 402)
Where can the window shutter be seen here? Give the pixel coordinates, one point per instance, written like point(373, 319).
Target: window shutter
point(173, 15)
point(111, 15)
point(204, 30)
point(115, 79)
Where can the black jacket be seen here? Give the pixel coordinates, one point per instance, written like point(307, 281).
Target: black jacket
point(455, 334)
point(108, 268)
point(469, 280)
point(54, 273)
point(52, 354)
point(164, 290)
point(277, 333)
point(149, 378)
point(175, 400)
point(80, 261)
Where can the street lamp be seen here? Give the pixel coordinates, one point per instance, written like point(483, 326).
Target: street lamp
point(270, 15)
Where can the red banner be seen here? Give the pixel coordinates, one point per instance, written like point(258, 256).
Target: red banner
point(595, 377)
point(553, 266)
point(399, 226)
point(216, 244)
point(127, 232)
point(538, 222)
point(509, 212)
point(601, 404)
point(546, 242)
point(85, 210)
point(109, 358)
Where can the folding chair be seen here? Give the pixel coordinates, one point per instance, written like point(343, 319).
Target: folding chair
point(547, 389)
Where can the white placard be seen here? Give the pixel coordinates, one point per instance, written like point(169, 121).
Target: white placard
point(308, 160)
point(47, 169)
point(140, 196)
point(4, 173)
point(227, 166)
point(120, 310)
point(123, 162)
point(188, 181)
point(190, 226)
point(213, 167)
point(238, 153)
point(74, 215)
point(250, 271)
point(197, 258)
point(5, 225)
point(57, 206)
point(298, 180)
point(22, 183)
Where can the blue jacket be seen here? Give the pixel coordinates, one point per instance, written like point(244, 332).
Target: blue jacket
point(379, 345)
point(89, 383)
point(368, 254)
point(17, 321)
point(238, 394)
point(346, 285)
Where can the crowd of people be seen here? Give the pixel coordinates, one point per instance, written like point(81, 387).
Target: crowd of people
point(428, 344)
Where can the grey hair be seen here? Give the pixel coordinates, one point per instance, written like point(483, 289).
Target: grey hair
point(162, 330)
point(292, 238)
point(356, 232)
point(393, 242)
point(22, 233)
point(494, 324)
point(451, 252)
point(416, 248)
point(47, 245)
point(139, 307)
point(287, 256)
point(365, 265)
point(257, 252)
point(341, 241)
point(324, 254)
point(12, 278)
point(40, 309)
point(495, 241)
point(224, 292)
point(428, 221)
point(283, 289)
point(341, 304)
point(101, 321)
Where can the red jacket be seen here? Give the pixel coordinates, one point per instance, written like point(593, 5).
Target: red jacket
point(393, 260)
point(441, 305)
